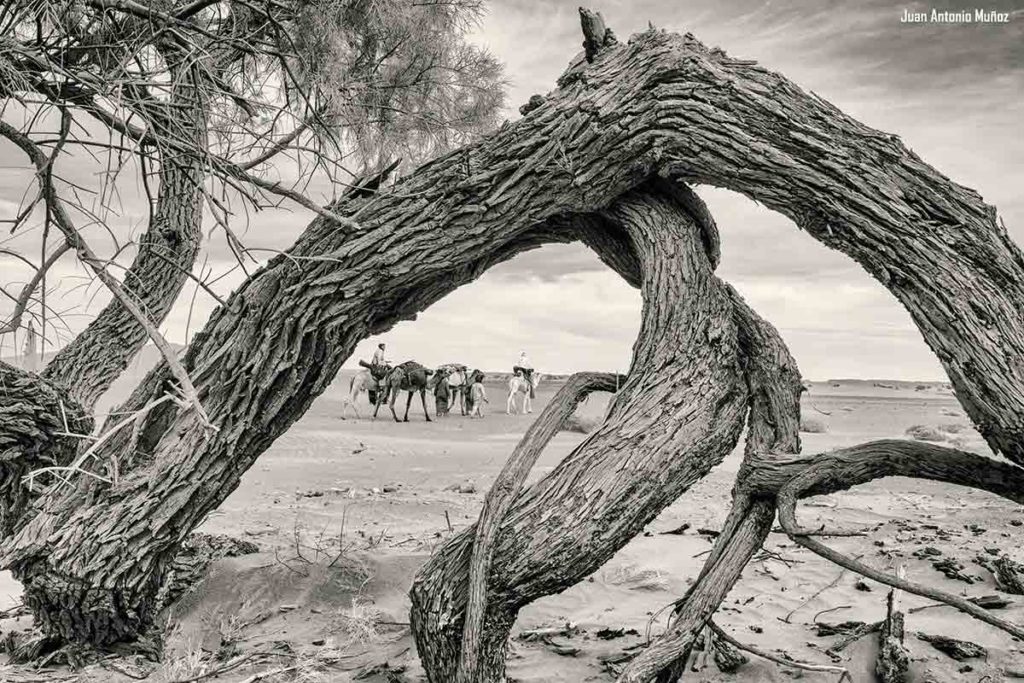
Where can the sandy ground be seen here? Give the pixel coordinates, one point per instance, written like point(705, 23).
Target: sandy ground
point(345, 511)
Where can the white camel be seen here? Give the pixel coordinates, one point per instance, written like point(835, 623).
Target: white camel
point(520, 385)
point(361, 382)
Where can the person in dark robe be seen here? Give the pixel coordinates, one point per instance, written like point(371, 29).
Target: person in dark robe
point(441, 395)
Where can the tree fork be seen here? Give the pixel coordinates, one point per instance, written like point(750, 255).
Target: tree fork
point(166, 254)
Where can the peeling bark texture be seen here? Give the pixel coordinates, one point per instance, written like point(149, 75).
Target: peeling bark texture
point(954, 648)
point(596, 36)
point(727, 658)
point(676, 416)
point(38, 419)
point(503, 492)
point(663, 105)
point(166, 253)
point(893, 660)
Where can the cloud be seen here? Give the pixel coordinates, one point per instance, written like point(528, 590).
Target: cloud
point(584, 322)
point(952, 93)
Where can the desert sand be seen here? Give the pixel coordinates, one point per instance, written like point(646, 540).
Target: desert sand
point(345, 511)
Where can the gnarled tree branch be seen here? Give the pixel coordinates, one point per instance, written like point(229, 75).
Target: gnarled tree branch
point(501, 495)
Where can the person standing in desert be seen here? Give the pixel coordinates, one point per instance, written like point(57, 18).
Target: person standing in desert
point(479, 396)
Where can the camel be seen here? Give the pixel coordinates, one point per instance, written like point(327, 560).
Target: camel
point(517, 384)
point(410, 376)
point(363, 380)
point(458, 384)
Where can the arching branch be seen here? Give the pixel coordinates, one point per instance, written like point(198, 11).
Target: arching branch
point(570, 522)
point(502, 494)
point(852, 466)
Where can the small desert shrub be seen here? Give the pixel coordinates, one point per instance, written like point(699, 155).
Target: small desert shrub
point(813, 425)
point(925, 433)
point(358, 623)
point(580, 423)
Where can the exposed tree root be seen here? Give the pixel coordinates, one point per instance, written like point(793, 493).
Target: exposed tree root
point(793, 478)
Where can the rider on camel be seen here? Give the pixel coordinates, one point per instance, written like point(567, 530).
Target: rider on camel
point(379, 364)
point(525, 368)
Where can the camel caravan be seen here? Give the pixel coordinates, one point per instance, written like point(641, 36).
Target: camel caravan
point(452, 385)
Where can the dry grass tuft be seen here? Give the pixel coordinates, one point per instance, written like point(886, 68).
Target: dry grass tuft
point(359, 623)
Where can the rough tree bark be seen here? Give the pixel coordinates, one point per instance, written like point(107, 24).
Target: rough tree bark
point(773, 433)
point(893, 659)
point(166, 254)
point(499, 499)
point(663, 104)
point(677, 415)
point(39, 423)
point(86, 367)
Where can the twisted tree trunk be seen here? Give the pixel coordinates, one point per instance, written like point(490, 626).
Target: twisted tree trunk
point(663, 104)
point(773, 435)
point(677, 415)
point(502, 494)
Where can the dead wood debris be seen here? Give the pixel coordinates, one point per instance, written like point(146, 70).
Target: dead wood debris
point(952, 647)
point(1009, 575)
point(893, 660)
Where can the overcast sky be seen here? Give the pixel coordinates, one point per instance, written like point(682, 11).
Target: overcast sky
point(952, 92)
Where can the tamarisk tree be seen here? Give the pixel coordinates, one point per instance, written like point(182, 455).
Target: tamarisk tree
point(211, 108)
point(606, 158)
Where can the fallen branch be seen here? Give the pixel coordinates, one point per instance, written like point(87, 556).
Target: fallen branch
point(826, 668)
